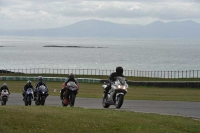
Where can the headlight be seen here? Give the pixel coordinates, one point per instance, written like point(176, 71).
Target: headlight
point(119, 86)
point(104, 86)
point(124, 87)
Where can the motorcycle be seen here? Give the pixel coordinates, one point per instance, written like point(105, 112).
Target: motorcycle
point(116, 94)
point(42, 93)
point(4, 96)
point(72, 90)
point(28, 97)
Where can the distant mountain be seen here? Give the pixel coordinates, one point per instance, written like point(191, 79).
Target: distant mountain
point(96, 28)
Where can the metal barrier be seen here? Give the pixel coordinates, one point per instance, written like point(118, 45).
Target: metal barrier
point(134, 73)
point(57, 79)
point(179, 84)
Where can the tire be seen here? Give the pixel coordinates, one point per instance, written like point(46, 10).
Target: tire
point(37, 102)
point(42, 100)
point(72, 99)
point(104, 104)
point(119, 101)
point(4, 100)
point(25, 102)
point(64, 105)
point(29, 100)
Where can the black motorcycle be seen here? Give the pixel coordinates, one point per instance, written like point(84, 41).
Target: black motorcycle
point(42, 93)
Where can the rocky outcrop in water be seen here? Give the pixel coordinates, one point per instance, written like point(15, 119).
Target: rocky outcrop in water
point(72, 46)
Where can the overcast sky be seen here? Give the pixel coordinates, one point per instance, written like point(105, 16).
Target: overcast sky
point(31, 14)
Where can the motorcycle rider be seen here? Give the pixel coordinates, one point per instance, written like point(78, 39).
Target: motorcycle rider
point(112, 78)
point(27, 85)
point(4, 86)
point(38, 84)
point(71, 77)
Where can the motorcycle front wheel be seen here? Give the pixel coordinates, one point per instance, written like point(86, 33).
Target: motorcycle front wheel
point(3, 101)
point(72, 99)
point(29, 100)
point(119, 101)
point(25, 102)
point(42, 100)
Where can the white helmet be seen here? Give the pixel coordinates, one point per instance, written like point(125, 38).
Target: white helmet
point(29, 82)
point(4, 84)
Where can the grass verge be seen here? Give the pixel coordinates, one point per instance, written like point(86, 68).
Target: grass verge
point(48, 119)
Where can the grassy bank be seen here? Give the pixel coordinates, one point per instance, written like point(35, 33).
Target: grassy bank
point(49, 119)
point(94, 90)
point(131, 78)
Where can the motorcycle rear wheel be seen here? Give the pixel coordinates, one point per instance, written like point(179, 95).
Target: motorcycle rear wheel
point(37, 101)
point(104, 104)
point(63, 104)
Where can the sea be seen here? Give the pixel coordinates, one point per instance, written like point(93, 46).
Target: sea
point(99, 53)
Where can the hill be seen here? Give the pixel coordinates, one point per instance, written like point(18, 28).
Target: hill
point(96, 28)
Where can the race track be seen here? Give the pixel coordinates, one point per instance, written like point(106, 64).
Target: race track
point(188, 109)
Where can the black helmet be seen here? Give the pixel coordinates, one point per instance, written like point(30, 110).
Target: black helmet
point(71, 75)
point(119, 70)
point(40, 78)
point(29, 82)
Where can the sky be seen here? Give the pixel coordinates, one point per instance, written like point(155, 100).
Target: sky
point(42, 14)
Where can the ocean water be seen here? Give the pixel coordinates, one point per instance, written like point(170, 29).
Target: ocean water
point(132, 54)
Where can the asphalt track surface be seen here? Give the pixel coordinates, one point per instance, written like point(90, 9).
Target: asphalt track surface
point(178, 108)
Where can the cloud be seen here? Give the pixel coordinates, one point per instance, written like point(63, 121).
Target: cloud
point(159, 10)
point(62, 12)
point(102, 8)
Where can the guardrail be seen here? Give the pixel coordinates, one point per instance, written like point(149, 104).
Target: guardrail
point(134, 73)
point(56, 79)
point(180, 84)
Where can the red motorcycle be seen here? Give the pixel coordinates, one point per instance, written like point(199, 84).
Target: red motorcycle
point(69, 95)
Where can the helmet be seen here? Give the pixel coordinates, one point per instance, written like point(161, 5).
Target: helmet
point(119, 70)
point(4, 84)
point(29, 82)
point(40, 78)
point(71, 75)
